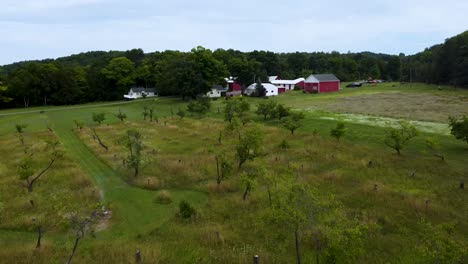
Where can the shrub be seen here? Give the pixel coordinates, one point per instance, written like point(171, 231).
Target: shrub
point(164, 197)
point(186, 210)
point(459, 127)
point(338, 131)
point(284, 144)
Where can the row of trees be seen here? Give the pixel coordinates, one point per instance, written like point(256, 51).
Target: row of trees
point(441, 64)
point(106, 76)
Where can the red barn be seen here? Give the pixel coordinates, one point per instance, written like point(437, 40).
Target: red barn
point(232, 85)
point(322, 83)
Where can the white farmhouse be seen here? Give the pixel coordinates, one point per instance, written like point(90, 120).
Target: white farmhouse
point(140, 92)
point(217, 91)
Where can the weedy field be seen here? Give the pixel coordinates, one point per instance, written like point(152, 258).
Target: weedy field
point(351, 200)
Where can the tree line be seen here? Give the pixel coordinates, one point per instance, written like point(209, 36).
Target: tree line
point(106, 76)
point(445, 63)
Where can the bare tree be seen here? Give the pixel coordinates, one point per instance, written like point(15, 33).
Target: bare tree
point(121, 116)
point(20, 130)
point(39, 232)
point(80, 226)
point(99, 139)
point(26, 172)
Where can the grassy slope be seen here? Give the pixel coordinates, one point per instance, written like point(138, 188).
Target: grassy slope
point(357, 134)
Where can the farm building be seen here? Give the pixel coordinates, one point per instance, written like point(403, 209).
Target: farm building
point(273, 78)
point(139, 92)
point(287, 85)
point(233, 86)
point(271, 90)
point(217, 91)
point(321, 83)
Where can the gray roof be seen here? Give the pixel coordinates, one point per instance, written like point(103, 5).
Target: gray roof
point(311, 79)
point(326, 77)
point(142, 89)
point(219, 87)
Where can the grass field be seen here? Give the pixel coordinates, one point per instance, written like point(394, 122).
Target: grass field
point(418, 214)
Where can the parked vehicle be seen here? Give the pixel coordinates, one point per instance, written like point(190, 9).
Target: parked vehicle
point(355, 84)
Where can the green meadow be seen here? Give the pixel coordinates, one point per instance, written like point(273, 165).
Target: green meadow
point(369, 205)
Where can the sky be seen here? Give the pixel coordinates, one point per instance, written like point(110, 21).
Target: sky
point(40, 29)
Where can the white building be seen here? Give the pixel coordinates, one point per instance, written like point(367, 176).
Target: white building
point(217, 91)
point(271, 90)
point(140, 92)
point(288, 84)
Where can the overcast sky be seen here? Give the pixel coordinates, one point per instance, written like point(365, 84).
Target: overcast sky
point(39, 29)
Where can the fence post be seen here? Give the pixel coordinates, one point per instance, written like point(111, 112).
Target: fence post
point(138, 256)
point(256, 259)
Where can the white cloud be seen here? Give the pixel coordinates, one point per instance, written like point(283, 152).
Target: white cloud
point(41, 29)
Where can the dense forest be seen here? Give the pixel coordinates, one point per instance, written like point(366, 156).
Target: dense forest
point(105, 76)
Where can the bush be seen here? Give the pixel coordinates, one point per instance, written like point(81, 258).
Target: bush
point(186, 210)
point(459, 127)
point(164, 197)
point(338, 131)
point(284, 144)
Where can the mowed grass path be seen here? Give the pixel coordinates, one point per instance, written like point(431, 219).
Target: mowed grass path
point(134, 210)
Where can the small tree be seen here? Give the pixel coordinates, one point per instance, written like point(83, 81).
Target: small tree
point(282, 111)
point(459, 127)
point(235, 107)
point(223, 167)
point(338, 131)
point(293, 121)
point(99, 118)
point(151, 115)
point(293, 209)
point(26, 172)
point(398, 137)
point(20, 131)
point(145, 112)
point(181, 113)
point(249, 179)
point(267, 108)
point(80, 226)
point(135, 145)
point(249, 146)
point(186, 210)
point(201, 106)
point(121, 116)
point(234, 126)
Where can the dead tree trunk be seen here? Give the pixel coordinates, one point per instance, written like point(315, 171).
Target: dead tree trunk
point(256, 259)
point(99, 140)
point(74, 249)
point(298, 245)
point(39, 236)
point(247, 190)
point(135, 168)
point(30, 183)
point(218, 179)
